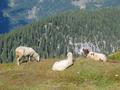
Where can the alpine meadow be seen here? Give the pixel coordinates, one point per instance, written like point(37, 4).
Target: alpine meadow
point(52, 38)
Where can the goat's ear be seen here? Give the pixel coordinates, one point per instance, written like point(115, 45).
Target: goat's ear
point(83, 49)
point(88, 50)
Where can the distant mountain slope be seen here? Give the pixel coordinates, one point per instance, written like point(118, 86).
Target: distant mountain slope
point(55, 36)
point(22, 12)
point(4, 21)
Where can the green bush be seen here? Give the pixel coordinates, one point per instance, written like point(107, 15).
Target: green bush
point(115, 55)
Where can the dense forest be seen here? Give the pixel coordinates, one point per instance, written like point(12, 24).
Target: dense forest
point(69, 31)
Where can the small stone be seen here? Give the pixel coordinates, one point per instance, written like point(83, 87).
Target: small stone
point(116, 75)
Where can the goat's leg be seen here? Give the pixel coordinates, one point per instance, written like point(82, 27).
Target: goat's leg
point(18, 60)
point(29, 58)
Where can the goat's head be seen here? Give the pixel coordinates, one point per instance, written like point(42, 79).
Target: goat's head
point(36, 57)
point(84, 51)
point(69, 54)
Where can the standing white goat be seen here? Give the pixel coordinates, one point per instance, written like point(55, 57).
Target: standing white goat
point(22, 51)
point(63, 64)
point(94, 55)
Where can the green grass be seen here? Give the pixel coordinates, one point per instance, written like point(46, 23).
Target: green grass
point(115, 55)
point(83, 75)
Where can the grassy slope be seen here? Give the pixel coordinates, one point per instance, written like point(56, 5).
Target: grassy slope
point(83, 75)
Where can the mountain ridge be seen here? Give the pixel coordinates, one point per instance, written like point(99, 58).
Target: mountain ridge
point(22, 12)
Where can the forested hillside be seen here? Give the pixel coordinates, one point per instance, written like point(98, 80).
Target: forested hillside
point(69, 31)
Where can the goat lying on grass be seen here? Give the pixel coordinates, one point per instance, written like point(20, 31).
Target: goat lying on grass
point(63, 64)
point(94, 55)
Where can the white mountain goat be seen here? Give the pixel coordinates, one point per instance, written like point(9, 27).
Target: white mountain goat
point(23, 51)
point(63, 64)
point(94, 55)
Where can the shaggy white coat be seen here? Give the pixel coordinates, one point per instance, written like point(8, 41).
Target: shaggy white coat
point(63, 64)
point(26, 51)
point(97, 56)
